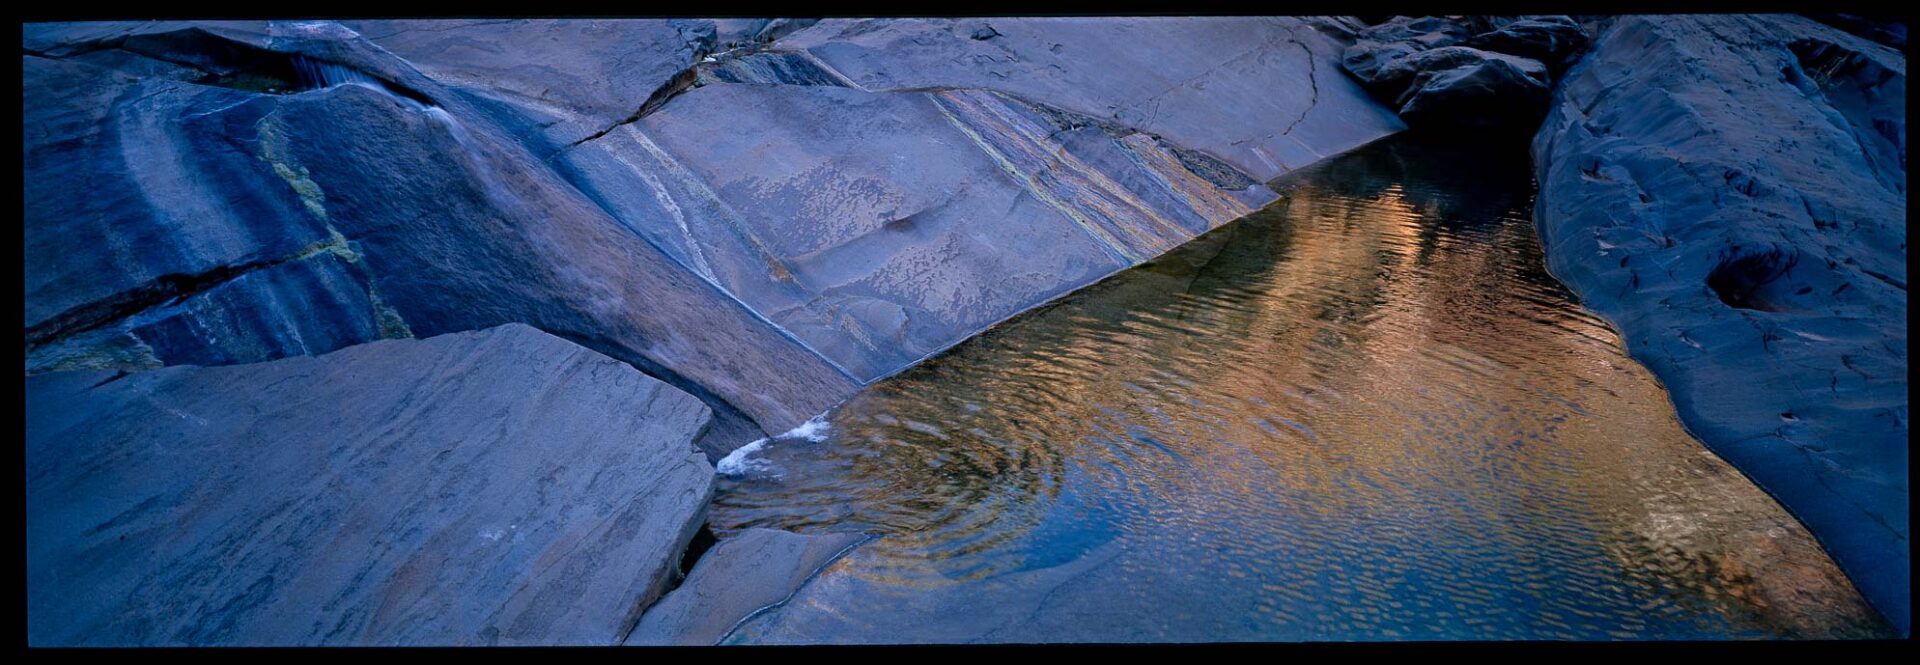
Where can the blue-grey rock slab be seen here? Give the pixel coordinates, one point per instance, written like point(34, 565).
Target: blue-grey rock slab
point(879, 228)
point(767, 227)
point(1261, 93)
point(581, 76)
point(308, 190)
point(881, 209)
point(503, 486)
point(1731, 192)
point(743, 574)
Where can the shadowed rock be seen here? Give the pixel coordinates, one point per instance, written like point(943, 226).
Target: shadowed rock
point(1397, 80)
point(1730, 191)
point(749, 571)
point(1491, 93)
point(1380, 45)
point(493, 487)
point(1438, 77)
point(1553, 40)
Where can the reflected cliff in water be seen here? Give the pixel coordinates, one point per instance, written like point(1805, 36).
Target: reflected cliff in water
point(1365, 412)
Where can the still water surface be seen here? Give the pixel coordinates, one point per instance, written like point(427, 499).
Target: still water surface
point(1365, 412)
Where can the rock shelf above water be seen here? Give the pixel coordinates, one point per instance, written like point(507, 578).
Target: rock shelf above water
point(495, 487)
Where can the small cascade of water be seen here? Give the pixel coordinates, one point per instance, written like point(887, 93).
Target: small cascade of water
point(454, 128)
point(320, 75)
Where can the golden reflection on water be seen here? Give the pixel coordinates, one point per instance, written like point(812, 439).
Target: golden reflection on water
point(1365, 412)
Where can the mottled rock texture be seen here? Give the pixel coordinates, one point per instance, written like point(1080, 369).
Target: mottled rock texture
point(767, 227)
point(503, 486)
point(742, 575)
point(1731, 192)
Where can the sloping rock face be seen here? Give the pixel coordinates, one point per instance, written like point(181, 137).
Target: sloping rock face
point(743, 574)
point(864, 185)
point(261, 202)
point(1731, 192)
point(767, 228)
point(573, 77)
point(495, 487)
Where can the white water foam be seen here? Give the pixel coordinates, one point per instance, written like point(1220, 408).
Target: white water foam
point(736, 463)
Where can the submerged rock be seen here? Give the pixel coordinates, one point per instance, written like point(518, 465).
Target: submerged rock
point(493, 487)
point(1731, 192)
point(742, 575)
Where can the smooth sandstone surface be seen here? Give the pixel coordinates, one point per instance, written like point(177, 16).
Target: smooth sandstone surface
point(495, 487)
point(743, 574)
point(1731, 192)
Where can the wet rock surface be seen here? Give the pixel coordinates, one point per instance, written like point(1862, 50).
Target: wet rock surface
point(1730, 191)
point(494, 487)
point(744, 574)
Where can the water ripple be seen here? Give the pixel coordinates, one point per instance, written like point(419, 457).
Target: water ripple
point(1366, 412)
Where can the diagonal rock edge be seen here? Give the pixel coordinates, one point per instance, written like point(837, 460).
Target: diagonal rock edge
point(168, 291)
point(173, 289)
point(1219, 174)
point(87, 436)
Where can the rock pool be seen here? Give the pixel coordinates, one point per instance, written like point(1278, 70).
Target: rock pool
point(1364, 412)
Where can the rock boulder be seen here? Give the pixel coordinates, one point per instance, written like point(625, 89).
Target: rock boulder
point(1731, 192)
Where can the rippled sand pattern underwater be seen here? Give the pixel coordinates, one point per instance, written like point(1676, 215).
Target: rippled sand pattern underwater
point(1365, 412)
